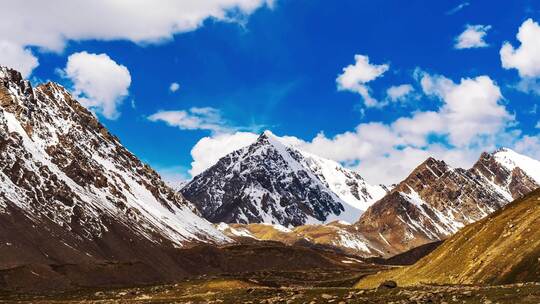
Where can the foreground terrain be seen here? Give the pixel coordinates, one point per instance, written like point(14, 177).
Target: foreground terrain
point(250, 290)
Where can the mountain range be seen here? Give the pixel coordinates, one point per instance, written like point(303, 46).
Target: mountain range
point(274, 183)
point(77, 208)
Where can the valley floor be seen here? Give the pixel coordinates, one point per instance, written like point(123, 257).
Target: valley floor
point(288, 287)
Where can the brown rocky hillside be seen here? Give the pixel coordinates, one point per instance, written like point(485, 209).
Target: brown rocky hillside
point(502, 248)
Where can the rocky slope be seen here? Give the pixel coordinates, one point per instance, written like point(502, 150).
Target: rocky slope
point(436, 200)
point(335, 236)
point(271, 182)
point(502, 248)
point(71, 193)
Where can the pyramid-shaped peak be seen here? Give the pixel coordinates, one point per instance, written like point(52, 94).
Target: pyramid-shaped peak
point(268, 137)
point(268, 134)
point(432, 163)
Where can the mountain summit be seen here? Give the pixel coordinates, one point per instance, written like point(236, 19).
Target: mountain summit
point(272, 182)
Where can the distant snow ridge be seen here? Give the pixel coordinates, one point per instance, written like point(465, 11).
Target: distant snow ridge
point(271, 182)
point(177, 185)
point(59, 164)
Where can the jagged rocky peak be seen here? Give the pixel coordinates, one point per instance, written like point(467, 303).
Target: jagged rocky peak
point(436, 200)
point(421, 177)
point(268, 143)
point(62, 169)
point(270, 181)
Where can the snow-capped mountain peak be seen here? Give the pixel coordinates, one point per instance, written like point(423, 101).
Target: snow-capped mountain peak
point(270, 181)
point(510, 159)
point(270, 135)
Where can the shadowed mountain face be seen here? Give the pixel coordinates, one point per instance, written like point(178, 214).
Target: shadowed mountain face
point(436, 200)
point(270, 182)
point(502, 248)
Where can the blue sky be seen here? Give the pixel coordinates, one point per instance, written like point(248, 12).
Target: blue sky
point(274, 65)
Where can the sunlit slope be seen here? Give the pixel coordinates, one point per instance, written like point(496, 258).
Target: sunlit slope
point(502, 248)
point(337, 235)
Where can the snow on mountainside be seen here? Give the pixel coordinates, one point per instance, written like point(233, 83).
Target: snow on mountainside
point(510, 160)
point(436, 200)
point(348, 185)
point(270, 182)
point(177, 185)
point(60, 168)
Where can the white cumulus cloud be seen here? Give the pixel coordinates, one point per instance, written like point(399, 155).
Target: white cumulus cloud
point(399, 93)
point(471, 109)
point(526, 57)
point(470, 119)
point(49, 25)
point(17, 57)
point(210, 149)
point(356, 76)
point(99, 82)
point(206, 118)
point(472, 37)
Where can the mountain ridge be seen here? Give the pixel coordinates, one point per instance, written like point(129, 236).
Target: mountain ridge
point(436, 200)
point(431, 204)
point(84, 197)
